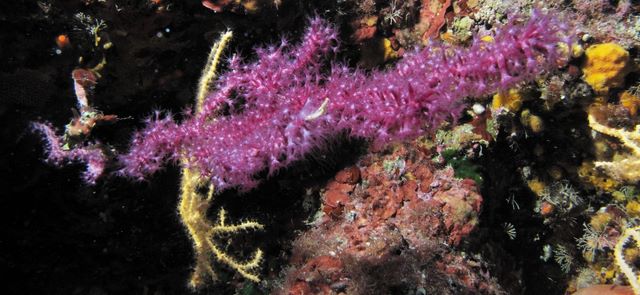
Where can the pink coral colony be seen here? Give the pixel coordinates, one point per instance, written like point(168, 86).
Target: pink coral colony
point(269, 113)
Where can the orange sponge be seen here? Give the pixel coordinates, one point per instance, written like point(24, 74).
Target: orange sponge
point(606, 66)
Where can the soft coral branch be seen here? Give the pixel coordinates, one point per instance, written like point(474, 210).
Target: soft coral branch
point(57, 153)
point(281, 106)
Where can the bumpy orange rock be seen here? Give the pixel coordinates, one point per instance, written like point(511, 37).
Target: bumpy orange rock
point(382, 224)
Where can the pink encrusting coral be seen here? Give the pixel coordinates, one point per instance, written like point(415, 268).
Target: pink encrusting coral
point(268, 113)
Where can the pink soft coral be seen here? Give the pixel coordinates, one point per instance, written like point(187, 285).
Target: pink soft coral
point(90, 154)
point(269, 113)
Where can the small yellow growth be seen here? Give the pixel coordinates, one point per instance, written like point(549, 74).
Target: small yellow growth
point(371, 21)
point(577, 50)
point(448, 37)
point(601, 148)
point(588, 174)
point(534, 122)
point(193, 205)
point(619, 196)
point(600, 221)
point(632, 254)
point(389, 52)
point(626, 168)
point(488, 39)
point(609, 274)
point(630, 102)
point(510, 100)
point(409, 176)
point(629, 235)
point(252, 6)
point(376, 51)
point(633, 208)
point(536, 186)
point(605, 67)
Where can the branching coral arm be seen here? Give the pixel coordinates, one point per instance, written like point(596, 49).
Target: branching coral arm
point(193, 206)
point(209, 72)
point(626, 169)
point(628, 235)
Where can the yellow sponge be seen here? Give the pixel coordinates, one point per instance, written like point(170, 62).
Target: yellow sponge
point(510, 100)
point(606, 66)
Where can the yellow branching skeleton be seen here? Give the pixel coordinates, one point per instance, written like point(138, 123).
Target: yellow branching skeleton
point(629, 235)
point(194, 204)
point(627, 168)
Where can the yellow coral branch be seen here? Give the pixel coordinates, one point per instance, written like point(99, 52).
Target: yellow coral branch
point(193, 205)
point(628, 168)
point(631, 139)
point(209, 72)
point(629, 233)
point(193, 209)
